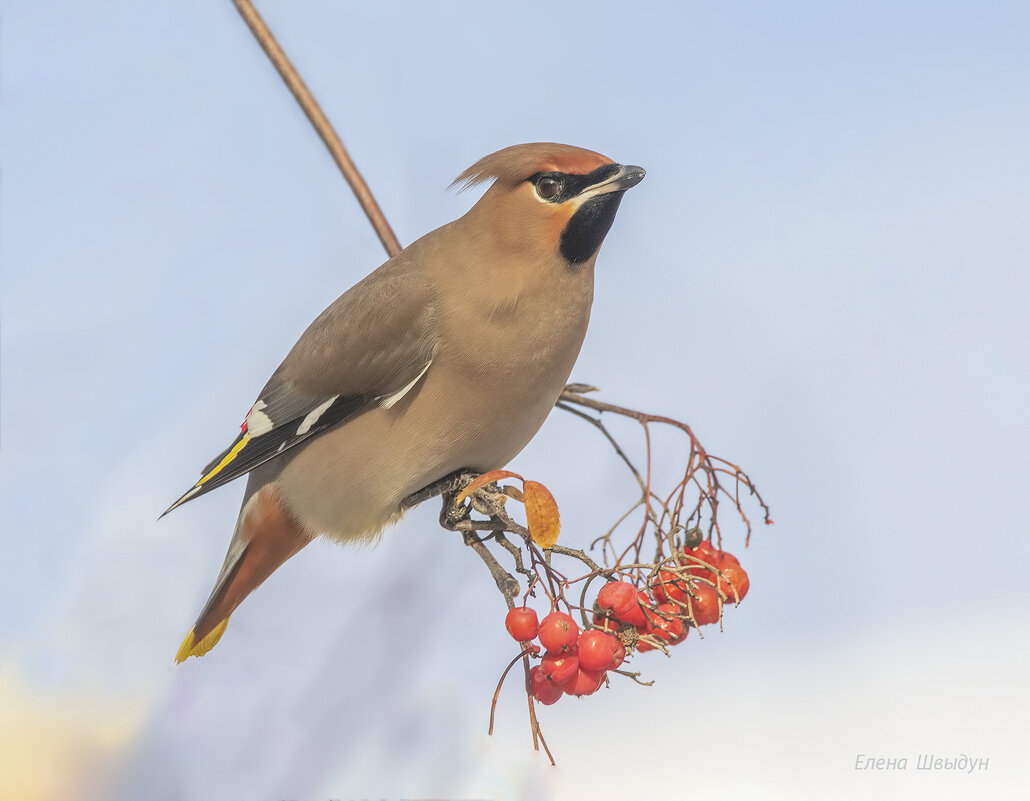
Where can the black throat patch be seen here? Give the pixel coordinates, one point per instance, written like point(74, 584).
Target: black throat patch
point(588, 227)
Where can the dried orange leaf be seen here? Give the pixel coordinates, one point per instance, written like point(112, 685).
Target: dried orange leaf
point(541, 514)
point(486, 478)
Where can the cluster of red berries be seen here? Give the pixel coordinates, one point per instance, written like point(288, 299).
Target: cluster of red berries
point(707, 579)
point(576, 663)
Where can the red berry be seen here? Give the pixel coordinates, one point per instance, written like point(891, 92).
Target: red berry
point(647, 628)
point(734, 578)
point(670, 629)
point(544, 690)
point(669, 587)
point(560, 667)
point(619, 657)
point(705, 549)
point(597, 650)
point(707, 554)
point(521, 623)
point(700, 550)
point(618, 597)
point(725, 559)
point(705, 604)
point(558, 631)
point(635, 614)
point(646, 618)
point(586, 682)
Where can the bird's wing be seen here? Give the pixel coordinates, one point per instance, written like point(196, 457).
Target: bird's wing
point(367, 350)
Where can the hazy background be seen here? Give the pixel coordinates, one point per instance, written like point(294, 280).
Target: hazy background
point(825, 272)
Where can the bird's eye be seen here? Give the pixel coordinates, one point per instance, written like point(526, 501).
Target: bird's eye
point(548, 187)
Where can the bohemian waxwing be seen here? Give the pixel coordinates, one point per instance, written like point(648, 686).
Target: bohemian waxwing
point(447, 357)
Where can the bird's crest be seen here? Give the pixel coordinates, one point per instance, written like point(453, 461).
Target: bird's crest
point(515, 164)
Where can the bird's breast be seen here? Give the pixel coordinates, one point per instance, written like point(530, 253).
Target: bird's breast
point(504, 369)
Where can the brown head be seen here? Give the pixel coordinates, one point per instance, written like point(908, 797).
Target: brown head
point(549, 199)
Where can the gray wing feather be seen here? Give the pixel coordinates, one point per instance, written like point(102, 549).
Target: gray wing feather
point(373, 341)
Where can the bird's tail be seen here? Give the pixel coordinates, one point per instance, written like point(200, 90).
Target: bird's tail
point(265, 537)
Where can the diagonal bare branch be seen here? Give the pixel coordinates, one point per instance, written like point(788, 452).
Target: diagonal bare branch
point(322, 125)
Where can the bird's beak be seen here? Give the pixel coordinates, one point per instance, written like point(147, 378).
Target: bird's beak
point(626, 178)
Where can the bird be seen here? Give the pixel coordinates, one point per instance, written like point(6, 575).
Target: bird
point(447, 357)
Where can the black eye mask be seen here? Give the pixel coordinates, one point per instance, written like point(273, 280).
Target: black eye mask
point(572, 184)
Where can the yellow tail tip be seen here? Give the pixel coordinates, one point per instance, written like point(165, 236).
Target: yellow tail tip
point(190, 648)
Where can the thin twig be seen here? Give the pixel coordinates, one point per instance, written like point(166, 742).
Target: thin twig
point(506, 583)
point(322, 125)
point(538, 732)
point(500, 683)
point(594, 421)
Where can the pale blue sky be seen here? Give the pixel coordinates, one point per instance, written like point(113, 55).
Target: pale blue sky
point(825, 273)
